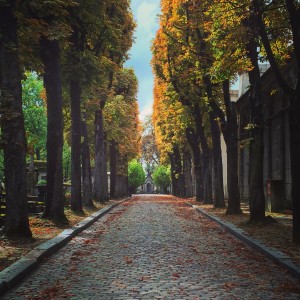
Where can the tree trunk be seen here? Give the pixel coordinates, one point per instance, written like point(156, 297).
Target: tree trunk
point(52, 81)
point(126, 186)
point(217, 162)
point(257, 197)
point(87, 188)
point(187, 171)
point(192, 139)
point(38, 153)
point(121, 186)
point(294, 97)
point(205, 156)
point(105, 171)
point(173, 177)
point(218, 188)
point(76, 198)
point(233, 205)
point(294, 123)
point(230, 133)
point(100, 189)
point(113, 168)
point(177, 172)
point(13, 133)
point(121, 189)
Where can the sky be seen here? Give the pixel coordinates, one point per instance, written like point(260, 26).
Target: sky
point(145, 14)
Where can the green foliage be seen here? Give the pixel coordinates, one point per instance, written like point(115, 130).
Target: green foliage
point(161, 177)
point(34, 109)
point(136, 175)
point(66, 161)
point(42, 182)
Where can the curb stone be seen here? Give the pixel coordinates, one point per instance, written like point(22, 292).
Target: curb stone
point(272, 253)
point(13, 274)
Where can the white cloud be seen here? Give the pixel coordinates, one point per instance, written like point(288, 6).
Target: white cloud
point(146, 17)
point(145, 14)
point(147, 110)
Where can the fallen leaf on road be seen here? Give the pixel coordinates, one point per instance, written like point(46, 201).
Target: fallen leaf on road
point(144, 278)
point(230, 285)
point(128, 260)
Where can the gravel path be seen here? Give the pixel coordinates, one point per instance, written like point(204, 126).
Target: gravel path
point(155, 247)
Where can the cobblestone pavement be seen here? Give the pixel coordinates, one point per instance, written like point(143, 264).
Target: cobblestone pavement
point(156, 248)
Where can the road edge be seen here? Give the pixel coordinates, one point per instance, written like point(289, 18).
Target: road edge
point(12, 275)
point(277, 256)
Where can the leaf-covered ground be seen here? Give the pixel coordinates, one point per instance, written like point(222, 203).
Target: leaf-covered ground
point(156, 247)
point(42, 230)
point(276, 235)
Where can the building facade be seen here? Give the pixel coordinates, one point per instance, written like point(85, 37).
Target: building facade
point(276, 164)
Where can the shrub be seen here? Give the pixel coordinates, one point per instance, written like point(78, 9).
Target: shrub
point(136, 175)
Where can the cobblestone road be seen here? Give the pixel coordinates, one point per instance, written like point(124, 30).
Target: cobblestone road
point(156, 248)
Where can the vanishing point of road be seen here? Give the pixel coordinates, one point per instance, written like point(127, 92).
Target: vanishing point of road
point(156, 247)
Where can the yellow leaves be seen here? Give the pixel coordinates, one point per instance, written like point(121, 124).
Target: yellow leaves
point(121, 114)
point(273, 92)
point(167, 118)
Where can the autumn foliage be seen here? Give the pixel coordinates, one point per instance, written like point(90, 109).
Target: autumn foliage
point(199, 50)
point(78, 48)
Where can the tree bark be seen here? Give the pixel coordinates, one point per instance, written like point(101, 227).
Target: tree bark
point(87, 187)
point(257, 197)
point(100, 188)
point(76, 198)
point(187, 171)
point(173, 177)
point(192, 139)
point(294, 124)
point(205, 156)
point(218, 189)
point(230, 133)
point(50, 56)
point(12, 127)
point(234, 205)
point(38, 153)
point(121, 186)
point(177, 173)
point(113, 168)
point(105, 170)
point(294, 97)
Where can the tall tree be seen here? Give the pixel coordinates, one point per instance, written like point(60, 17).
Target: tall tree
point(47, 25)
point(50, 56)
point(170, 119)
point(161, 177)
point(226, 59)
point(174, 62)
point(150, 153)
point(123, 129)
point(77, 43)
point(136, 175)
point(114, 40)
point(288, 12)
point(12, 125)
point(87, 187)
point(170, 69)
